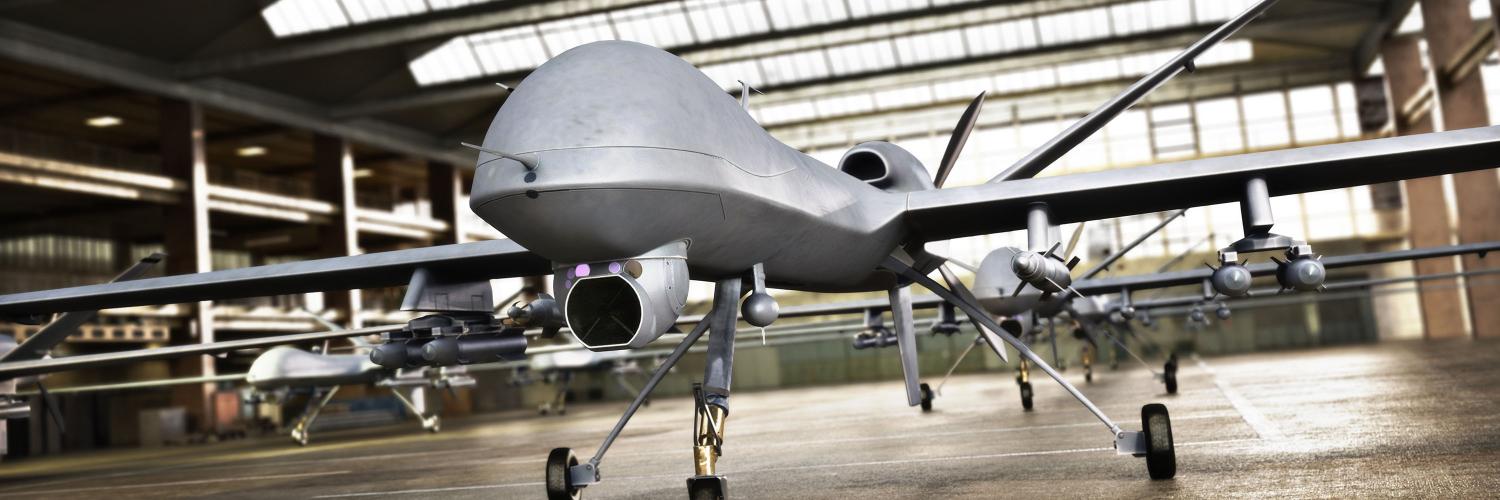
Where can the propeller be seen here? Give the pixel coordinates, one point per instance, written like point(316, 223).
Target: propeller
point(960, 137)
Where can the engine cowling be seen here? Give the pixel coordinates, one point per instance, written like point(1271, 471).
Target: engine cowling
point(625, 303)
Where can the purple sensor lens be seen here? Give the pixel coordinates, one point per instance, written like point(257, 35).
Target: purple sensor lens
point(568, 283)
point(614, 267)
point(582, 270)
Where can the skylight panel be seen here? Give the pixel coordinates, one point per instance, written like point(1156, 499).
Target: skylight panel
point(719, 19)
point(561, 35)
point(726, 74)
point(662, 25)
point(862, 57)
point(292, 17)
point(295, 17)
point(929, 47)
point(965, 88)
point(844, 105)
point(508, 50)
point(451, 61)
point(796, 66)
point(787, 14)
point(795, 111)
point(903, 97)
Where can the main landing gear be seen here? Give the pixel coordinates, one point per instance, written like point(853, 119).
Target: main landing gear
point(926, 398)
point(566, 477)
point(315, 403)
point(1153, 442)
point(1169, 373)
point(1023, 380)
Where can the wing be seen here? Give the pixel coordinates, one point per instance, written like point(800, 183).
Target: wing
point(943, 214)
point(23, 368)
point(482, 260)
point(1179, 278)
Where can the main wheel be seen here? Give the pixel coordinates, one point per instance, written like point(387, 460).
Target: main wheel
point(1161, 457)
point(926, 398)
point(1169, 374)
point(1026, 395)
point(708, 488)
point(559, 485)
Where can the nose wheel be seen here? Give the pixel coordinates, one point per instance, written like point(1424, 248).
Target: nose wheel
point(1026, 395)
point(559, 484)
point(926, 398)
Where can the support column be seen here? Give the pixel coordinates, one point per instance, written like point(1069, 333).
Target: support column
point(1448, 28)
point(333, 181)
point(1427, 207)
point(187, 242)
point(445, 192)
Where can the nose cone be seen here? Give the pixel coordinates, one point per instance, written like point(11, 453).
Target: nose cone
point(626, 94)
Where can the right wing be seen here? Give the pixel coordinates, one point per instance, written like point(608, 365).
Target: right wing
point(481, 259)
point(944, 214)
point(1195, 276)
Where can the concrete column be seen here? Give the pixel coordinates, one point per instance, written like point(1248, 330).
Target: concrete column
point(187, 241)
point(1448, 27)
point(1427, 207)
point(445, 191)
point(333, 182)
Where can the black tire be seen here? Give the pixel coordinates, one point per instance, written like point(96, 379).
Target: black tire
point(1088, 377)
point(1026, 396)
point(926, 398)
point(1169, 375)
point(1161, 455)
point(707, 488)
point(559, 485)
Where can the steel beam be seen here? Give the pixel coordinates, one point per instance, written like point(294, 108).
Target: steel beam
point(333, 182)
point(445, 194)
point(116, 67)
point(187, 239)
point(435, 26)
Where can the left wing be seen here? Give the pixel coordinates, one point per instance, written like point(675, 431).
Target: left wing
point(480, 260)
point(23, 368)
point(943, 214)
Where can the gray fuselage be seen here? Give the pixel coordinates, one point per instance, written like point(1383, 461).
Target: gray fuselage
point(635, 148)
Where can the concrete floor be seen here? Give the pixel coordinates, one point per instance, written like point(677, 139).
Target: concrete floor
point(1401, 419)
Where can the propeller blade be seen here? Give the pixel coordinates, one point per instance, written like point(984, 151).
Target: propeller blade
point(1066, 140)
point(960, 136)
point(1073, 243)
point(1073, 262)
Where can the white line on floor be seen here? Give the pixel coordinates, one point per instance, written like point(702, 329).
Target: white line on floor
point(1257, 421)
point(179, 483)
point(431, 490)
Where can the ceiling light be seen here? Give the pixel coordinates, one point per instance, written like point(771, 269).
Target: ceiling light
point(360, 173)
point(103, 121)
point(249, 151)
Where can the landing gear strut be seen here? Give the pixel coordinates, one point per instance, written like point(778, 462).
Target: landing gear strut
point(566, 477)
point(1023, 379)
point(1153, 441)
point(315, 404)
